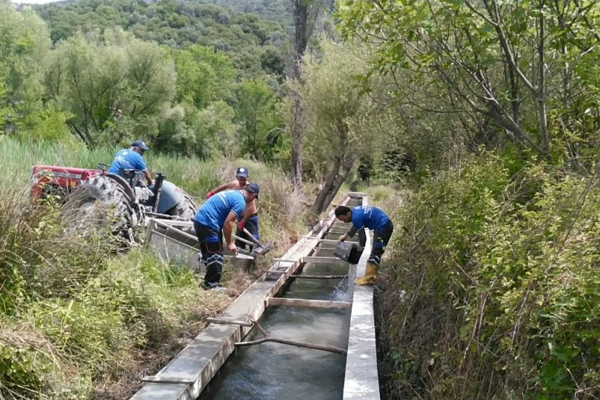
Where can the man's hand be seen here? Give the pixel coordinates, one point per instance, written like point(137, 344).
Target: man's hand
point(210, 194)
point(342, 238)
point(240, 226)
point(232, 248)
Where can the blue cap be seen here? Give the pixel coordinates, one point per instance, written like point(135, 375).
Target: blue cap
point(252, 188)
point(140, 144)
point(242, 172)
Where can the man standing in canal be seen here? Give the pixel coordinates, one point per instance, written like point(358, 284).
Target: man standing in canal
point(216, 217)
point(374, 219)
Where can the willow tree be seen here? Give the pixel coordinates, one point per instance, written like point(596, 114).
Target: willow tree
point(110, 79)
point(342, 122)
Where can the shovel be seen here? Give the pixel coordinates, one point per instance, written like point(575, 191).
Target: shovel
point(260, 249)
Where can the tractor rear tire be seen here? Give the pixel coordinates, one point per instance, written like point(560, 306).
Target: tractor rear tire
point(185, 210)
point(103, 201)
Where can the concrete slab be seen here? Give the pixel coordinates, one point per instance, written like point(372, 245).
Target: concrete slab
point(158, 391)
point(362, 378)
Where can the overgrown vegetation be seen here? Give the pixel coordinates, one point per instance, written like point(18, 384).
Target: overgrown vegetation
point(498, 260)
point(75, 320)
point(78, 320)
point(491, 289)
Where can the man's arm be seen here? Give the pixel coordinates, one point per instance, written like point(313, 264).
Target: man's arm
point(140, 165)
point(249, 211)
point(148, 176)
point(350, 233)
point(225, 186)
point(228, 230)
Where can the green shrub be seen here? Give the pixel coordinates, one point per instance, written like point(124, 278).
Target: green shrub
point(503, 290)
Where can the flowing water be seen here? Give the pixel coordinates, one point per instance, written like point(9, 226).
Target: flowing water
point(271, 371)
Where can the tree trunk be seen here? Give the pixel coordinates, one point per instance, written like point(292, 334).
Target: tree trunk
point(332, 185)
point(543, 119)
point(300, 40)
point(297, 132)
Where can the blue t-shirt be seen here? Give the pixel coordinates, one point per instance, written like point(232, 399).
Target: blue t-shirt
point(214, 211)
point(127, 159)
point(370, 217)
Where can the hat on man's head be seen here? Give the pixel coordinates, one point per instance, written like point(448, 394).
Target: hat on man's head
point(242, 172)
point(252, 188)
point(140, 144)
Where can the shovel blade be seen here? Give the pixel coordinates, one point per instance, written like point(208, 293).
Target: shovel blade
point(264, 249)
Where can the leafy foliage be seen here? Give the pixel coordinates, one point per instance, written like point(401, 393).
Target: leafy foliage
point(499, 264)
point(244, 36)
point(108, 81)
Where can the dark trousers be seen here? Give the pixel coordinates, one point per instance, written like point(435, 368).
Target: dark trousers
point(252, 227)
point(381, 238)
point(211, 247)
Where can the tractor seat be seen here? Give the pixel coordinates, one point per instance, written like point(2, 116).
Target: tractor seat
point(132, 176)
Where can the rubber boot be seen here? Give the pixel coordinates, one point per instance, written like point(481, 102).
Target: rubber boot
point(369, 277)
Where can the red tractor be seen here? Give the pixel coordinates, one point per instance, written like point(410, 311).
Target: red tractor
point(122, 201)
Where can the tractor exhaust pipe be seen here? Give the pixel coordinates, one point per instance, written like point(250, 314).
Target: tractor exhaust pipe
point(157, 190)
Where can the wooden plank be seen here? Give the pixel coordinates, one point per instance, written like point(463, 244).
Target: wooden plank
point(287, 302)
point(324, 260)
point(320, 276)
point(229, 322)
point(335, 241)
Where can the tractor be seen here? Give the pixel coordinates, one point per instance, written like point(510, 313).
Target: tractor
point(121, 202)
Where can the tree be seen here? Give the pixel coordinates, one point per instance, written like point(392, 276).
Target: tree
point(109, 80)
point(256, 113)
point(203, 75)
point(505, 68)
point(305, 14)
point(342, 122)
point(24, 46)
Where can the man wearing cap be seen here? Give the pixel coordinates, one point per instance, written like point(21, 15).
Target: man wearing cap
point(215, 218)
point(131, 158)
point(249, 219)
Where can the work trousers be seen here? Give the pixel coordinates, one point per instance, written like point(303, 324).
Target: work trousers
point(211, 247)
point(381, 237)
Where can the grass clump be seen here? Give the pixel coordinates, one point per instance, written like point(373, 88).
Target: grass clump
point(499, 266)
point(76, 316)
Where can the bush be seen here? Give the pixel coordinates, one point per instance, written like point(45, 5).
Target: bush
point(502, 285)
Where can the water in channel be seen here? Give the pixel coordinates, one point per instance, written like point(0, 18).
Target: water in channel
point(277, 371)
point(273, 371)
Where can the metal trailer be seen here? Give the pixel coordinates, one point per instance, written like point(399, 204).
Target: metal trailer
point(176, 241)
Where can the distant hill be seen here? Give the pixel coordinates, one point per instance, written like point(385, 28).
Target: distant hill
point(252, 32)
point(274, 10)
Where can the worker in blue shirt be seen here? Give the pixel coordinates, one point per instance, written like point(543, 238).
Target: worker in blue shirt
point(374, 219)
point(131, 158)
point(218, 216)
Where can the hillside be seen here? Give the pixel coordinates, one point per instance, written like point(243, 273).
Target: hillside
point(256, 45)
